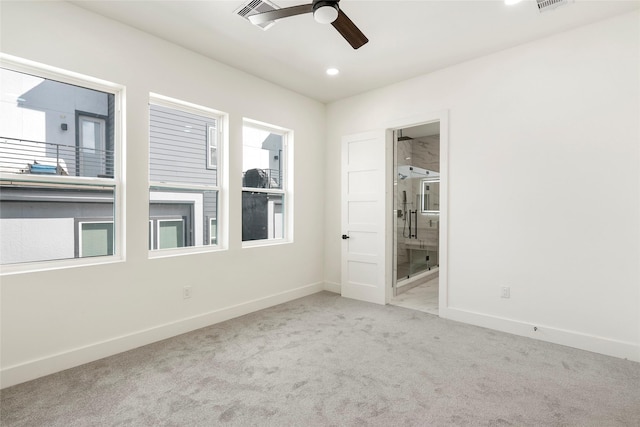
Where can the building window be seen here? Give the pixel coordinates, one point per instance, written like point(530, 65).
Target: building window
point(213, 231)
point(171, 233)
point(212, 147)
point(264, 182)
point(59, 165)
point(95, 238)
point(184, 174)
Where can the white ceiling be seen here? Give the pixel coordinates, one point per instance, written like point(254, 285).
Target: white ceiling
point(407, 38)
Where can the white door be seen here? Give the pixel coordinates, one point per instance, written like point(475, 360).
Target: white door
point(92, 146)
point(364, 270)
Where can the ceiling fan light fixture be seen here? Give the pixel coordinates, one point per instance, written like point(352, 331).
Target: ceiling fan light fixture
point(325, 12)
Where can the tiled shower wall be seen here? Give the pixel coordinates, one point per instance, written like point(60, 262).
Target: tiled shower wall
point(422, 152)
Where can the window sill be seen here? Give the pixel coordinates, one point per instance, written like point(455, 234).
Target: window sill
point(168, 253)
point(261, 243)
point(39, 266)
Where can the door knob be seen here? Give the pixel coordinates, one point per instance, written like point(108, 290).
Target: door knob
point(345, 237)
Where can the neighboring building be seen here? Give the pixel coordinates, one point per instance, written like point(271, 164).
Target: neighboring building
point(53, 136)
point(50, 130)
point(53, 133)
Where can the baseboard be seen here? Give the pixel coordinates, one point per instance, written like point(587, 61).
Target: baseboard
point(609, 347)
point(336, 288)
point(33, 369)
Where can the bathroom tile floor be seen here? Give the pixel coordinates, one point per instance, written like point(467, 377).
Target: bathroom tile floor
point(423, 297)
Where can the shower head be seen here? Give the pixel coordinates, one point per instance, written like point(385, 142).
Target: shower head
point(402, 177)
point(403, 138)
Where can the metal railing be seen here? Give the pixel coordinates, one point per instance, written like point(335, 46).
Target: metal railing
point(262, 178)
point(23, 156)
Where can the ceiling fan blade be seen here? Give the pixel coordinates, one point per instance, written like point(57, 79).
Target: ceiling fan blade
point(349, 31)
point(261, 18)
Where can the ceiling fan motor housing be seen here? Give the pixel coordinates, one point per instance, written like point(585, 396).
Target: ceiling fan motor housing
point(325, 11)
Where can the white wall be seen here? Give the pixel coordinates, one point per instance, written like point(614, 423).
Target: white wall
point(56, 319)
point(544, 174)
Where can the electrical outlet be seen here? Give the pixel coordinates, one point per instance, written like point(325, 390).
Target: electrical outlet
point(505, 292)
point(186, 292)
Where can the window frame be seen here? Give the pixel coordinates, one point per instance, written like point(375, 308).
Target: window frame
point(116, 182)
point(222, 121)
point(286, 182)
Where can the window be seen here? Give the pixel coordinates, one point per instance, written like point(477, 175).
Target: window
point(184, 174)
point(212, 147)
point(171, 233)
point(96, 238)
point(213, 231)
point(59, 167)
point(264, 182)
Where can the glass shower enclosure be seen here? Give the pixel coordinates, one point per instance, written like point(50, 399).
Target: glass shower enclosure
point(417, 207)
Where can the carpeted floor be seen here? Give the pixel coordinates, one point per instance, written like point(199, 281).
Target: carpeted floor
point(324, 360)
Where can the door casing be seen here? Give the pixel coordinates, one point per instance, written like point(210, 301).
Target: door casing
point(388, 206)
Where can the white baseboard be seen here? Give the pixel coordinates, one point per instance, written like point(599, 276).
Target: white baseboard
point(336, 288)
point(33, 369)
point(609, 347)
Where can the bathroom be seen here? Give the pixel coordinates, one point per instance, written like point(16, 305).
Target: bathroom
point(417, 217)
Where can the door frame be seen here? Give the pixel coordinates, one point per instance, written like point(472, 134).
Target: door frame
point(443, 283)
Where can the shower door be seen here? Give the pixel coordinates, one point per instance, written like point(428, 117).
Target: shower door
point(416, 219)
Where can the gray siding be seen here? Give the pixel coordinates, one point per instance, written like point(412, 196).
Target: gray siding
point(178, 147)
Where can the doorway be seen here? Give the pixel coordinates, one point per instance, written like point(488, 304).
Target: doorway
point(416, 231)
point(93, 158)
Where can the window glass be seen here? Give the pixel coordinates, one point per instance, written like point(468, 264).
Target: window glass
point(58, 181)
point(263, 181)
point(184, 175)
point(171, 233)
point(53, 128)
point(262, 158)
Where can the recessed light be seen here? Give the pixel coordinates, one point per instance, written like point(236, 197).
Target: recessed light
point(511, 2)
point(333, 71)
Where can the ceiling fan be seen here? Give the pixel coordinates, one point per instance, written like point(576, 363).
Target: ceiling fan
point(324, 12)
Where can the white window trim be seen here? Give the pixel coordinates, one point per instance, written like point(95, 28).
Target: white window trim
point(17, 64)
point(221, 187)
point(152, 241)
point(287, 183)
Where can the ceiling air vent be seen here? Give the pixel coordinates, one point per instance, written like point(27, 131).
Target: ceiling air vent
point(544, 5)
point(257, 6)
